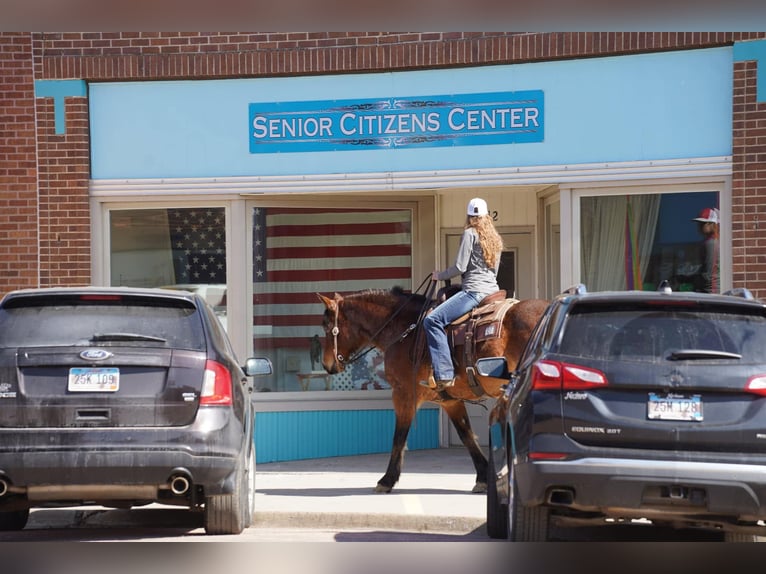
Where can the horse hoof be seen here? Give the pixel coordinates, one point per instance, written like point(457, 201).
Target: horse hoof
point(479, 487)
point(381, 488)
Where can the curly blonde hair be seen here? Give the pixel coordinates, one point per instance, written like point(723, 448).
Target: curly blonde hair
point(489, 239)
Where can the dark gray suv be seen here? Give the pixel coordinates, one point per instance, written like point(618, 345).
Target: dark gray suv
point(121, 397)
point(634, 406)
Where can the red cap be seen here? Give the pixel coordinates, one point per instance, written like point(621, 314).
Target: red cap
point(708, 215)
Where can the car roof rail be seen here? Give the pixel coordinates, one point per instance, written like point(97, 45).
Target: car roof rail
point(740, 292)
point(578, 289)
point(664, 287)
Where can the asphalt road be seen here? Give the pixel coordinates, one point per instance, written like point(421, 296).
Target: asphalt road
point(160, 524)
point(166, 524)
point(162, 532)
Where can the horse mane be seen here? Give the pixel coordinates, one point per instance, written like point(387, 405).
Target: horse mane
point(396, 296)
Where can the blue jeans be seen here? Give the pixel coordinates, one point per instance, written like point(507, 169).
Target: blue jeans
point(456, 306)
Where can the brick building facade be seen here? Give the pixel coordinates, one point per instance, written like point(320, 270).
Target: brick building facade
point(44, 214)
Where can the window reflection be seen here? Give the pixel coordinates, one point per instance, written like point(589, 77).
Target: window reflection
point(638, 241)
point(182, 248)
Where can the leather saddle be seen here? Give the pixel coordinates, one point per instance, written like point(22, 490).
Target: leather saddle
point(483, 322)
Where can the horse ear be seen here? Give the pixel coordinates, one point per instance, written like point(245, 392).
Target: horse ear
point(338, 296)
point(329, 303)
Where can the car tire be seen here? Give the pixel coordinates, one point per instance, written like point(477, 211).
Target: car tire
point(226, 513)
point(497, 513)
point(525, 523)
point(14, 520)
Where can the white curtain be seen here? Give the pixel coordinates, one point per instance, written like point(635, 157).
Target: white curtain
point(602, 237)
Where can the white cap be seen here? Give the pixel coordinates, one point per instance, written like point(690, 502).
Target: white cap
point(477, 206)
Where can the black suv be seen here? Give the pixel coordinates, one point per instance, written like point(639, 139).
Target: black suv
point(120, 397)
point(634, 406)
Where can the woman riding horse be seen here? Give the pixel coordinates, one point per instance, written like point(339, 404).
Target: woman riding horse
point(477, 262)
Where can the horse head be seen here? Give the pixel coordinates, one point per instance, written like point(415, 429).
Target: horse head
point(336, 348)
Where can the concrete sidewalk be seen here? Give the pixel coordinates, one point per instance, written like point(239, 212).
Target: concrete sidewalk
point(433, 493)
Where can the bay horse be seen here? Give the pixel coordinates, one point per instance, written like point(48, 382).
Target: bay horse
point(389, 320)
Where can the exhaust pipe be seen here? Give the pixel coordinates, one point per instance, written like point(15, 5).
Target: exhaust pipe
point(179, 484)
point(3, 487)
point(561, 496)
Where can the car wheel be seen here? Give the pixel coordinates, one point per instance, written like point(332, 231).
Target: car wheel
point(225, 513)
point(497, 513)
point(525, 523)
point(15, 520)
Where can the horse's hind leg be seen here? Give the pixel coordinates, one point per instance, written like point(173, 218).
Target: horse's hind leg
point(459, 417)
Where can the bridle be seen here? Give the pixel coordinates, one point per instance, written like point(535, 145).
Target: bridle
point(341, 360)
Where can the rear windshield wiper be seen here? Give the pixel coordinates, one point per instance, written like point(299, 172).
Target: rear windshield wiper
point(126, 337)
point(701, 354)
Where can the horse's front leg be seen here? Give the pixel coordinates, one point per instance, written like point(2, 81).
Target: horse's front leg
point(405, 404)
point(459, 417)
point(394, 470)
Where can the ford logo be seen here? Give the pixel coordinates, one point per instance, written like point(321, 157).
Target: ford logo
point(95, 354)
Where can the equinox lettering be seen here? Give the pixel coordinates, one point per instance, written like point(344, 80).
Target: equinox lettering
point(597, 430)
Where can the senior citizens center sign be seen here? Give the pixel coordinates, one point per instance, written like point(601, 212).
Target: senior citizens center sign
point(457, 120)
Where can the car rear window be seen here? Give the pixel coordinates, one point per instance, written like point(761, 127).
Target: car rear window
point(101, 320)
point(649, 333)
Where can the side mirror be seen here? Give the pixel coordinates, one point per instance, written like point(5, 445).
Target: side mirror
point(255, 367)
point(495, 367)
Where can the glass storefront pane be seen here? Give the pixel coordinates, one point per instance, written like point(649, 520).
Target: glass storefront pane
point(181, 248)
point(299, 252)
point(638, 241)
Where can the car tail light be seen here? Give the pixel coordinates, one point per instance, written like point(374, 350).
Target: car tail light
point(554, 375)
point(216, 385)
point(546, 375)
point(757, 385)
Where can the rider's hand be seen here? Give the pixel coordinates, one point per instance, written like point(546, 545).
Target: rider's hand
point(435, 276)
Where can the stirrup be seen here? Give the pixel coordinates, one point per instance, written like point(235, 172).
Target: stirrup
point(438, 385)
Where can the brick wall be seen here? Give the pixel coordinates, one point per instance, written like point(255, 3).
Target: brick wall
point(150, 55)
point(18, 162)
point(749, 181)
point(64, 220)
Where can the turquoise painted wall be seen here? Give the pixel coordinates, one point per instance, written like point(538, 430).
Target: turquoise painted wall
point(664, 105)
point(283, 436)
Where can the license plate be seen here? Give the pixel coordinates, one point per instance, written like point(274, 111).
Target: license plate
point(675, 407)
point(94, 379)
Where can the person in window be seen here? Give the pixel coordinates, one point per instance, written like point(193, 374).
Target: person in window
point(708, 226)
point(477, 262)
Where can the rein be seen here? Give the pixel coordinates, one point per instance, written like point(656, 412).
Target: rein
point(335, 330)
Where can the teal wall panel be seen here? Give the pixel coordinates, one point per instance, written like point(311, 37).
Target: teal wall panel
point(281, 436)
point(637, 107)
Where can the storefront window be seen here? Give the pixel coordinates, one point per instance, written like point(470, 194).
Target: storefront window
point(182, 248)
point(638, 241)
point(299, 252)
